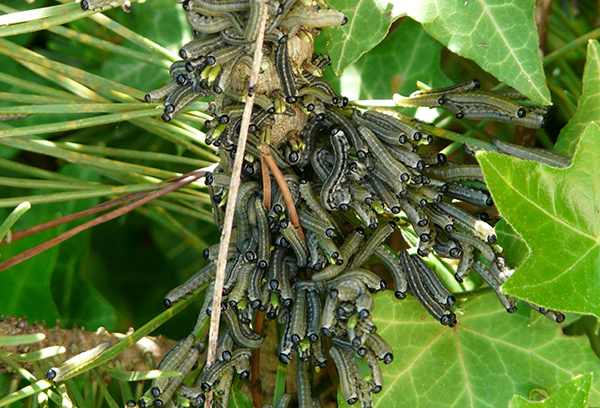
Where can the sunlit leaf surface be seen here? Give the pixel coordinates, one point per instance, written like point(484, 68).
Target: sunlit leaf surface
point(588, 109)
point(482, 362)
point(573, 394)
point(556, 212)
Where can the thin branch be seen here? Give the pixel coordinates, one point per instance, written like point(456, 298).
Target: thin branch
point(184, 180)
point(71, 217)
point(285, 190)
point(266, 179)
point(232, 200)
point(81, 214)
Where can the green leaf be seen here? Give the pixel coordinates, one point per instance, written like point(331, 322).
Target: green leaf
point(238, 399)
point(515, 249)
point(588, 108)
point(556, 212)
point(395, 65)
point(76, 298)
point(367, 26)
point(501, 37)
point(573, 394)
point(31, 278)
point(482, 362)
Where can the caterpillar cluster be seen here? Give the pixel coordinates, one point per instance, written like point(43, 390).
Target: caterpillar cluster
point(224, 35)
point(354, 176)
point(465, 100)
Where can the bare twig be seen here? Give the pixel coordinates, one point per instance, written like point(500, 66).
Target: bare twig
point(90, 211)
point(184, 180)
point(266, 179)
point(542, 19)
point(265, 154)
point(232, 200)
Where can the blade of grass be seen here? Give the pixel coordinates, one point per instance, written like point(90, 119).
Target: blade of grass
point(198, 213)
point(133, 154)
point(124, 387)
point(132, 36)
point(17, 368)
point(67, 13)
point(199, 136)
point(171, 224)
point(157, 214)
point(186, 196)
point(35, 99)
point(12, 218)
point(37, 355)
point(188, 178)
point(16, 16)
point(571, 45)
point(194, 117)
point(105, 87)
point(122, 375)
point(177, 135)
point(73, 217)
point(42, 399)
point(110, 47)
point(101, 85)
point(21, 339)
point(74, 392)
point(49, 148)
point(76, 108)
point(167, 131)
point(77, 124)
point(81, 195)
point(64, 81)
point(104, 391)
point(279, 382)
point(25, 169)
point(56, 398)
point(39, 89)
point(65, 398)
point(46, 17)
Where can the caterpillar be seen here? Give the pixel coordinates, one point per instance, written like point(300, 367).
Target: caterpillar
point(76, 363)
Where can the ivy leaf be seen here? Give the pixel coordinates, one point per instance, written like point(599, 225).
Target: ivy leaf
point(30, 279)
point(482, 362)
point(573, 394)
point(367, 26)
point(238, 399)
point(395, 65)
point(588, 107)
point(78, 301)
point(515, 249)
point(501, 37)
point(556, 212)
